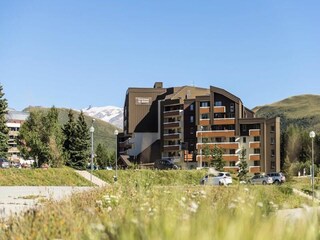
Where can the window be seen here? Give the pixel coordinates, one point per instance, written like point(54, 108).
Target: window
point(192, 107)
point(272, 128)
point(218, 103)
point(191, 119)
point(256, 163)
point(272, 152)
point(232, 151)
point(232, 139)
point(272, 140)
point(256, 151)
point(205, 104)
point(244, 140)
point(204, 116)
point(232, 107)
point(232, 163)
point(256, 139)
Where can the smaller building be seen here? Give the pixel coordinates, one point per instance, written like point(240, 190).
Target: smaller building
point(14, 121)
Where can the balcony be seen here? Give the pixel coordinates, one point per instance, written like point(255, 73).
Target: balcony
point(254, 169)
point(254, 132)
point(171, 148)
point(230, 157)
point(231, 169)
point(216, 133)
point(169, 136)
point(168, 125)
point(254, 157)
point(204, 122)
point(254, 145)
point(219, 109)
point(204, 110)
point(224, 121)
point(173, 113)
point(224, 145)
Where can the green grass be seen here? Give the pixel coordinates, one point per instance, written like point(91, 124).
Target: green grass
point(103, 134)
point(41, 177)
point(143, 205)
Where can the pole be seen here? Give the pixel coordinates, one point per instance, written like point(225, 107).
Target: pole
point(312, 170)
point(91, 155)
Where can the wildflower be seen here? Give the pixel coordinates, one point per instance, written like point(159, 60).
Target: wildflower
point(232, 206)
point(98, 226)
point(109, 209)
point(260, 204)
point(193, 207)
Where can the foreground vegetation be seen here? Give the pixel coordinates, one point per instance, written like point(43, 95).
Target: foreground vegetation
point(144, 205)
point(41, 177)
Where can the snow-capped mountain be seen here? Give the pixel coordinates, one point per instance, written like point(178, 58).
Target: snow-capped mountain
point(110, 114)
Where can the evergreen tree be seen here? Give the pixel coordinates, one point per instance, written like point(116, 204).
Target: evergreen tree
point(102, 156)
point(3, 128)
point(81, 151)
point(217, 158)
point(243, 165)
point(69, 144)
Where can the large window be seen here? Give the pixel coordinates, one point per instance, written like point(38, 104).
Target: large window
point(218, 103)
point(205, 104)
point(256, 151)
point(205, 116)
point(256, 163)
point(256, 139)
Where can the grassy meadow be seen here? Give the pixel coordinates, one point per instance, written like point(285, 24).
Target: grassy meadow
point(156, 205)
point(41, 177)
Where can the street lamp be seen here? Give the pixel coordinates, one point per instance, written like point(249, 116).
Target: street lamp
point(116, 134)
point(312, 134)
point(201, 129)
point(91, 131)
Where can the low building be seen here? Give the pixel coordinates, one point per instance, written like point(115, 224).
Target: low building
point(14, 121)
point(181, 122)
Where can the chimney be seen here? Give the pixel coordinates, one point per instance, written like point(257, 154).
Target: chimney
point(158, 85)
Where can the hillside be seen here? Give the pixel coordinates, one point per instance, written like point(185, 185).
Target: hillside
point(104, 132)
point(303, 110)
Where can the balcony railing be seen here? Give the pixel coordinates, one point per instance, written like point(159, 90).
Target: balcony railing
point(169, 148)
point(224, 121)
point(254, 132)
point(254, 144)
point(216, 133)
point(224, 145)
point(254, 157)
point(254, 169)
point(172, 136)
point(219, 109)
point(167, 125)
point(173, 113)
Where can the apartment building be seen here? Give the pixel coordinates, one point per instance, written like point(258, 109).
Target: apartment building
point(179, 123)
point(14, 121)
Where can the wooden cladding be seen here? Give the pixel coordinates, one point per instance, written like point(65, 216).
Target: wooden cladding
point(204, 110)
point(224, 121)
point(254, 145)
point(217, 133)
point(255, 169)
point(254, 157)
point(172, 113)
point(219, 109)
point(220, 145)
point(254, 132)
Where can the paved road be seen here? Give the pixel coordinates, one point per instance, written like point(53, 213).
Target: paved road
point(20, 198)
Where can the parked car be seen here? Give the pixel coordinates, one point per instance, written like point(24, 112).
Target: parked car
point(261, 179)
point(164, 164)
point(277, 177)
point(220, 178)
point(4, 163)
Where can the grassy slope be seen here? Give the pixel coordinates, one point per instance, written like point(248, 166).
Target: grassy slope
point(41, 177)
point(104, 132)
point(303, 110)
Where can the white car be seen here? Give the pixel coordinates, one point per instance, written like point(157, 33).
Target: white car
point(220, 178)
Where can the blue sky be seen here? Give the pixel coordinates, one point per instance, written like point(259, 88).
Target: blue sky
point(78, 53)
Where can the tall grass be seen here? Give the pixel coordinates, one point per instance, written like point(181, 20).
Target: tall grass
point(41, 177)
point(134, 208)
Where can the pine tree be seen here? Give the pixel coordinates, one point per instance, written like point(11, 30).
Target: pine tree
point(69, 144)
point(102, 158)
point(3, 128)
point(81, 152)
point(217, 158)
point(243, 165)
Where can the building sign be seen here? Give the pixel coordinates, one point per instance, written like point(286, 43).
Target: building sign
point(143, 100)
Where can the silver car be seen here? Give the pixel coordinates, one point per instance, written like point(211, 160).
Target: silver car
point(261, 179)
point(4, 163)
